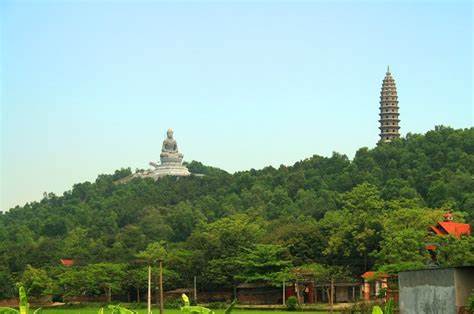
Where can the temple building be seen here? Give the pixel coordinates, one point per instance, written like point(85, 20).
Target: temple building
point(449, 227)
point(389, 109)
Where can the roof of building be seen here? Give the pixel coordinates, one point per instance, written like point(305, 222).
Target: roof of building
point(466, 267)
point(67, 261)
point(179, 290)
point(373, 275)
point(456, 229)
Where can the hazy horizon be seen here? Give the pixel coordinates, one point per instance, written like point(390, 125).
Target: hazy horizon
point(88, 88)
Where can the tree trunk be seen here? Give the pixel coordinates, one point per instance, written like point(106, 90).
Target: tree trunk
point(195, 290)
point(157, 292)
point(138, 295)
point(365, 260)
point(297, 288)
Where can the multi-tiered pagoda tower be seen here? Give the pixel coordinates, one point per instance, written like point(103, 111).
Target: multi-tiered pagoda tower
point(389, 109)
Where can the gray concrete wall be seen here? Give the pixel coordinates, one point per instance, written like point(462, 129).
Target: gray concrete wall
point(464, 280)
point(430, 291)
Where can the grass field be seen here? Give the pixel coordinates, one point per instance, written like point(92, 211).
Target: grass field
point(93, 310)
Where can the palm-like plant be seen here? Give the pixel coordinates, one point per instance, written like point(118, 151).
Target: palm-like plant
point(23, 306)
point(188, 309)
point(117, 309)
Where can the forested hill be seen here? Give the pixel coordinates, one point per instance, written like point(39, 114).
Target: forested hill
point(360, 214)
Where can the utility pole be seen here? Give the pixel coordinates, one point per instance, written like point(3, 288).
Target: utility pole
point(332, 294)
point(284, 293)
point(149, 289)
point(161, 287)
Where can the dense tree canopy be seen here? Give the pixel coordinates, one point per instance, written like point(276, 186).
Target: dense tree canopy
point(326, 215)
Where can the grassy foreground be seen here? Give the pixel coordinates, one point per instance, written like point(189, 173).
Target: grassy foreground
point(93, 310)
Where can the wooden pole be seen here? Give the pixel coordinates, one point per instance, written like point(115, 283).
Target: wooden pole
point(149, 289)
point(161, 287)
point(195, 290)
point(284, 293)
point(332, 294)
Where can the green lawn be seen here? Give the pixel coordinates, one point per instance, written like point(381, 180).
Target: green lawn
point(92, 310)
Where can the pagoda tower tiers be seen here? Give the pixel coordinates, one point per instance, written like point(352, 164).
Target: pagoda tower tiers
point(389, 109)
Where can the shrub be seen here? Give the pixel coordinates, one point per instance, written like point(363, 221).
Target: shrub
point(382, 293)
point(173, 304)
point(360, 307)
point(217, 305)
point(389, 307)
point(470, 304)
point(292, 304)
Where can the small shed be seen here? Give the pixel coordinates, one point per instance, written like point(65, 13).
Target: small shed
point(437, 290)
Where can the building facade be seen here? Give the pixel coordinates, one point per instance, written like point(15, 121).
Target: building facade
point(389, 115)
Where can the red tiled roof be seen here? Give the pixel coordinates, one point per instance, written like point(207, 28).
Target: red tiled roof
point(437, 231)
point(67, 261)
point(453, 228)
point(373, 275)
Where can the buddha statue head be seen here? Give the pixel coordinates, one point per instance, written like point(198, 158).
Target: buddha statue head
point(169, 134)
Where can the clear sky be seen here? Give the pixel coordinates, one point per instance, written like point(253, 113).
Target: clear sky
point(88, 87)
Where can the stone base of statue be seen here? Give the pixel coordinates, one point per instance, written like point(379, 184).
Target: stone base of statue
point(171, 165)
point(169, 170)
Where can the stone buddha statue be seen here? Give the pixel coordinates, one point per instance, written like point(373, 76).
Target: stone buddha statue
point(169, 150)
point(171, 161)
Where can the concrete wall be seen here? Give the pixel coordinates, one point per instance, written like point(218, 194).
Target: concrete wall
point(427, 291)
point(464, 280)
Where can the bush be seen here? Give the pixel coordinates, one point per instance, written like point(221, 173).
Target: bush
point(137, 306)
point(382, 293)
point(292, 304)
point(217, 305)
point(173, 303)
point(470, 303)
point(360, 307)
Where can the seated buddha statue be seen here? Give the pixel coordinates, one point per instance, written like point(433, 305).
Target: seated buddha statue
point(169, 151)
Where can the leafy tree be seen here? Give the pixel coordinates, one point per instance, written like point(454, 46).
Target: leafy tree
point(455, 252)
point(136, 278)
point(107, 277)
point(262, 263)
point(36, 281)
point(154, 252)
point(405, 236)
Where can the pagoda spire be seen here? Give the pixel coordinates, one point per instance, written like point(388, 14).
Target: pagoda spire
point(389, 116)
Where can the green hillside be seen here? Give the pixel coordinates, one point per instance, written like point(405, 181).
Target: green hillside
point(327, 213)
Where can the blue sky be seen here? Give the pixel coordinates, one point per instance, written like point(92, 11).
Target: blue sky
point(88, 87)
